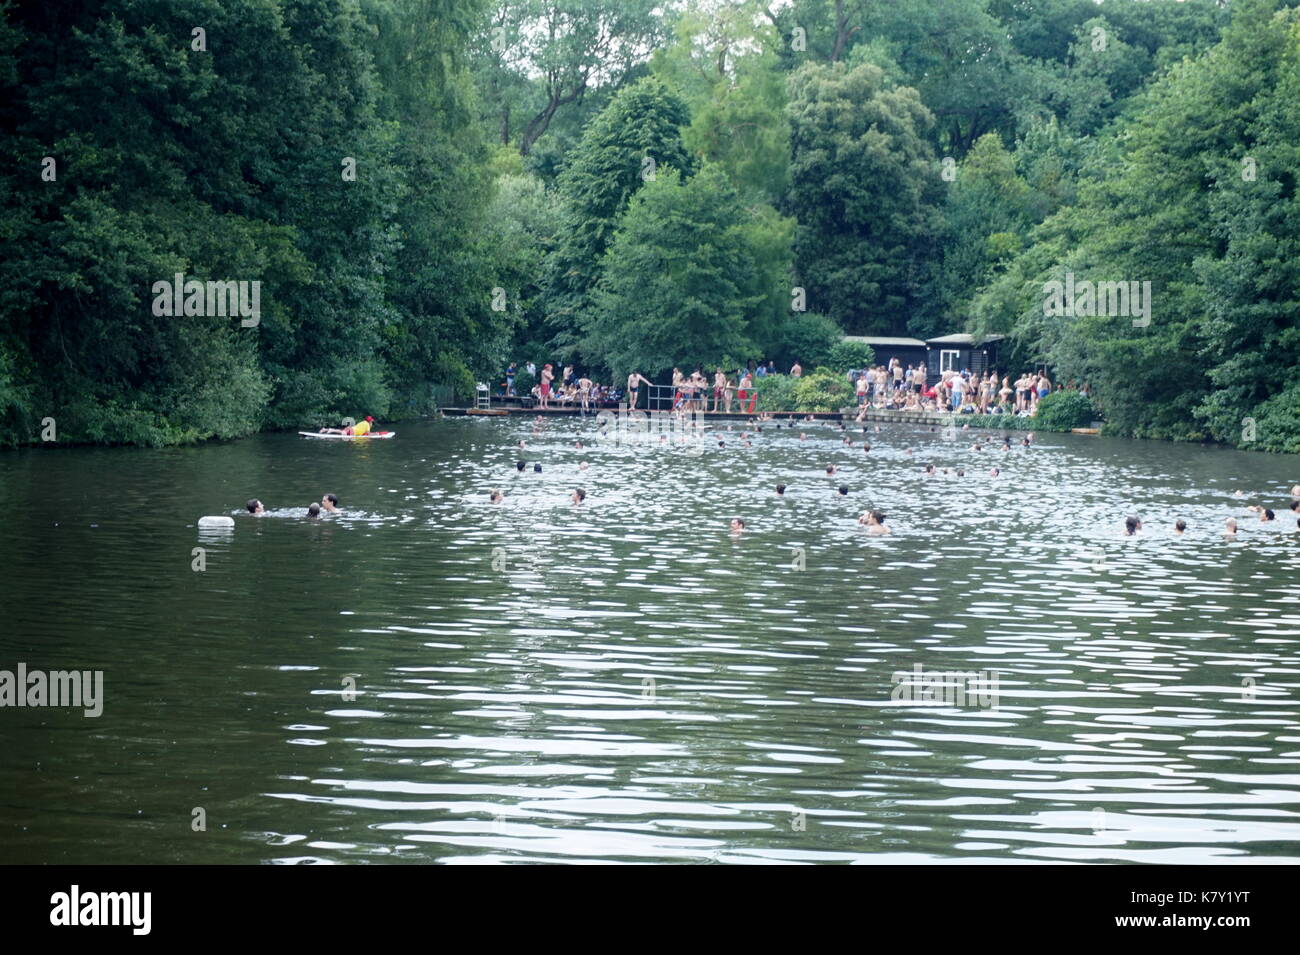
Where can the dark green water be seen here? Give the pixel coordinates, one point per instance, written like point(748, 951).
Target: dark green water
point(627, 681)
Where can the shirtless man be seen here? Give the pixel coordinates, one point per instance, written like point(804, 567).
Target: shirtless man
point(875, 522)
point(584, 390)
point(721, 390)
point(545, 394)
point(699, 390)
point(634, 382)
point(330, 502)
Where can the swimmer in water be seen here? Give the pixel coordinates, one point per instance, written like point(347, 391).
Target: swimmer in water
point(1295, 490)
point(874, 521)
point(255, 506)
point(1024, 442)
point(330, 502)
point(1230, 527)
point(1264, 513)
point(1180, 525)
point(1132, 524)
point(313, 510)
point(582, 465)
point(961, 472)
point(737, 525)
point(520, 465)
point(830, 469)
point(866, 447)
point(802, 436)
point(780, 489)
point(537, 468)
point(844, 489)
point(929, 470)
point(578, 496)
point(497, 496)
point(994, 472)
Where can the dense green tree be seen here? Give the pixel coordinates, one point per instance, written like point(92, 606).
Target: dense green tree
point(633, 141)
point(865, 189)
point(679, 281)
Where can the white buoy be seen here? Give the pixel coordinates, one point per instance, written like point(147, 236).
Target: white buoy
point(216, 522)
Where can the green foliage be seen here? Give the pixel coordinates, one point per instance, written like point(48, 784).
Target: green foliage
point(775, 392)
point(808, 339)
point(228, 164)
point(865, 188)
point(847, 356)
point(822, 390)
point(679, 280)
point(637, 136)
point(1063, 410)
point(448, 369)
point(1277, 422)
point(524, 383)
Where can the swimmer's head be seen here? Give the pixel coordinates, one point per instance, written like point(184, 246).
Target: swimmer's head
point(254, 506)
point(844, 489)
point(780, 489)
point(737, 525)
point(537, 468)
point(1266, 515)
point(583, 465)
point(313, 510)
point(332, 499)
point(929, 469)
point(520, 464)
point(994, 472)
point(1132, 524)
point(961, 472)
point(578, 495)
point(865, 446)
point(830, 469)
point(1180, 525)
point(497, 496)
point(876, 517)
point(1230, 526)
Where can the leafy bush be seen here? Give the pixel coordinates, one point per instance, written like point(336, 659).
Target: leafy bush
point(1277, 422)
point(845, 356)
point(808, 339)
point(823, 390)
point(524, 383)
point(1063, 410)
point(775, 392)
point(450, 370)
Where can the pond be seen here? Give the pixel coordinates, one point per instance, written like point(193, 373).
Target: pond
point(432, 677)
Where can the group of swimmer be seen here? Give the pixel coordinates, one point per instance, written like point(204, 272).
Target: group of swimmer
point(1133, 523)
point(874, 519)
point(329, 504)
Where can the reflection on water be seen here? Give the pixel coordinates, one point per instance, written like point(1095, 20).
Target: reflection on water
point(429, 676)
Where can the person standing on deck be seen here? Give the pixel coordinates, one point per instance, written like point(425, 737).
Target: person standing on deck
point(545, 392)
point(634, 382)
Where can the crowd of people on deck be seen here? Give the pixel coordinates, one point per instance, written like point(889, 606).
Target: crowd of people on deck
point(893, 386)
point(902, 387)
